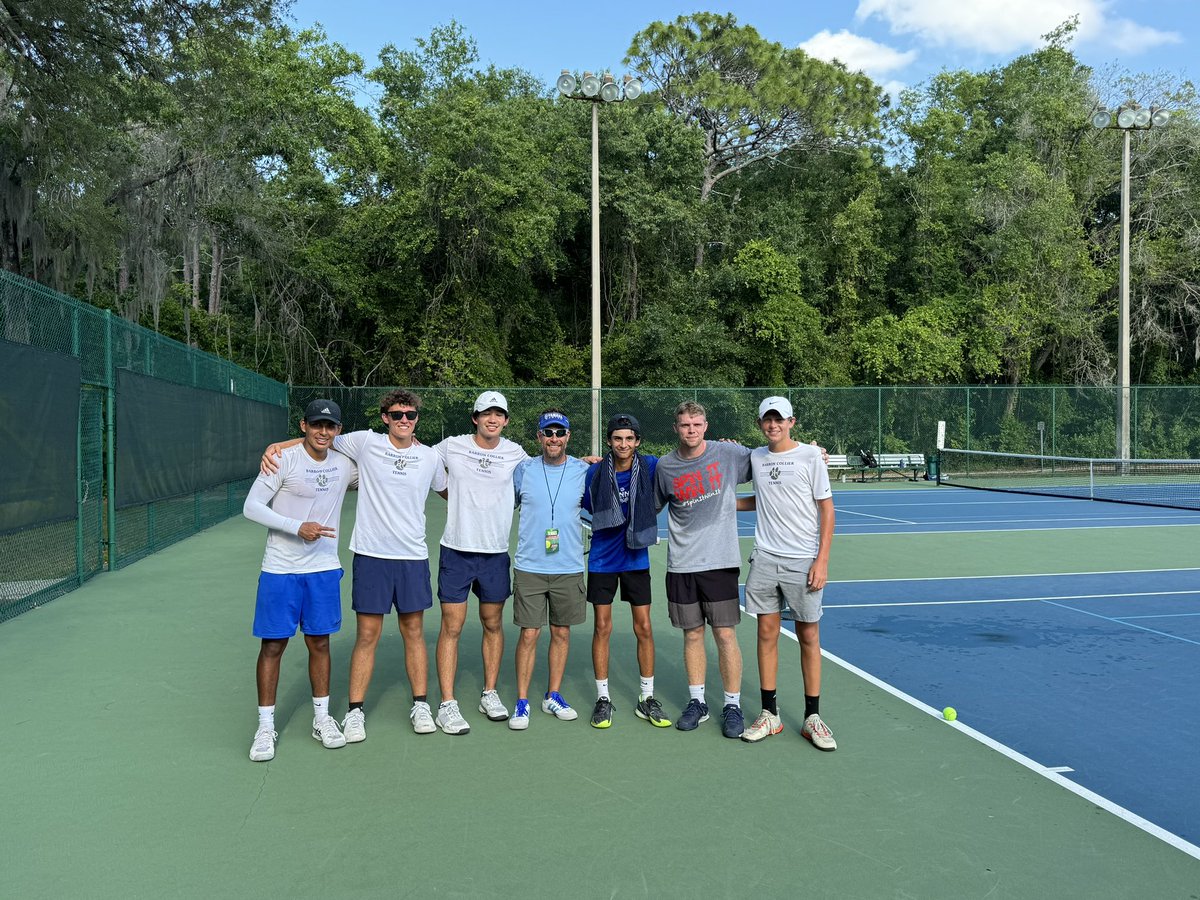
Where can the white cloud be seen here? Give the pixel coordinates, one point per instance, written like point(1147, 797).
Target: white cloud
point(859, 54)
point(1008, 26)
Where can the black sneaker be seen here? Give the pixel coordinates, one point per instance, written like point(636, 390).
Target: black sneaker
point(693, 714)
point(651, 710)
point(732, 721)
point(602, 713)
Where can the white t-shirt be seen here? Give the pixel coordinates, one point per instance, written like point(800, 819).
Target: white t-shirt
point(389, 521)
point(481, 501)
point(788, 486)
point(302, 490)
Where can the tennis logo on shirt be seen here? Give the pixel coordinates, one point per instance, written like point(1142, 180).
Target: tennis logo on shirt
point(322, 479)
point(774, 473)
point(485, 464)
point(401, 463)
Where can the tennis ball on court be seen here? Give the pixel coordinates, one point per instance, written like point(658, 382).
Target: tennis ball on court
point(949, 714)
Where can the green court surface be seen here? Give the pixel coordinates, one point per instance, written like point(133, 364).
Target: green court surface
point(132, 708)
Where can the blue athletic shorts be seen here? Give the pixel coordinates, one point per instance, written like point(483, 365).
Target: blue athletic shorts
point(486, 574)
point(381, 584)
point(311, 601)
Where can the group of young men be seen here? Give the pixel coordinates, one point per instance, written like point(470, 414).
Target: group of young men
point(483, 476)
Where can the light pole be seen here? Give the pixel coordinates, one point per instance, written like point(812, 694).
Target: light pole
point(1130, 117)
point(597, 90)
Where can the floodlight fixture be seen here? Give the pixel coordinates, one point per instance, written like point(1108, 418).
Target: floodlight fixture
point(566, 83)
point(633, 88)
point(590, 86)
point(1159, 116)
point(609, 92)
point(1100, 119)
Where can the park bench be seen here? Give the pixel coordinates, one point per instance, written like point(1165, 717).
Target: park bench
point(899, 464)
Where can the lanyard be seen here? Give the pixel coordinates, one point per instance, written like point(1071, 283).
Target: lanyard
point(554, 497)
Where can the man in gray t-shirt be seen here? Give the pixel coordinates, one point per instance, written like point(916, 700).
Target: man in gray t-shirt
point(697, 482)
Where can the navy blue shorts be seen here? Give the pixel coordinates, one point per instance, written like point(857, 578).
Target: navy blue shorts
point(311, 601)
point(383, 584)
point(486, 574)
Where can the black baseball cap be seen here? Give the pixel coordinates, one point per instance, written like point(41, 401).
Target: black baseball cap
point(323, 411)
point(623, 420)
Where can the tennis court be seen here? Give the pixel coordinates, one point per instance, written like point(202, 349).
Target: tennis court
point(135, 697)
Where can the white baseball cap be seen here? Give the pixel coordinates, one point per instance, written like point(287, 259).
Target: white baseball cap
point(780, 405)
point(489, 400)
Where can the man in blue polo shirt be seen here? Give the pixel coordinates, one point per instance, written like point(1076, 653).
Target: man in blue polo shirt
point(548, 570)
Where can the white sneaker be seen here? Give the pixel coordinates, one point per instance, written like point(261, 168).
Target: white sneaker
point(817, 733)
point(263, 747)
point(354, 726)
point(490, 706)
point(764, 726)
point(328, 733)
point(450, 720)
point(558, 707)
point(520, 717)
point(422, 718)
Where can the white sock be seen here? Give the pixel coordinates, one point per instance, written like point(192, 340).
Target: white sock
point(733, 699)
point(696, 692)
point(601, 688)
point(320, 709)
point(266, 717)
point(647, 687)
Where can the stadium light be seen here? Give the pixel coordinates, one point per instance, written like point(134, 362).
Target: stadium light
point(1130, 117)
point(596, 90)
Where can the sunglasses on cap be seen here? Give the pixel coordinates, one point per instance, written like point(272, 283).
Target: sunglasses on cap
point(554, 432)
point(397, 415)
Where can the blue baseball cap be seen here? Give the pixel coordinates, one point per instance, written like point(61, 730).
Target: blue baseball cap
point(553, 418)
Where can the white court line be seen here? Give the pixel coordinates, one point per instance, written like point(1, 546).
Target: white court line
point(1062, 770)
point(1025, 520)
point(855, 512)
point(1162, 616)
point(890, 534)
point(1052, 774)
point(1018, 575)
point(1010, 600)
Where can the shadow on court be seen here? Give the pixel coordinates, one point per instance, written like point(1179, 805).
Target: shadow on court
point(133, 699)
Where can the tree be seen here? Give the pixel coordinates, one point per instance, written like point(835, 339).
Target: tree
point(750, 98)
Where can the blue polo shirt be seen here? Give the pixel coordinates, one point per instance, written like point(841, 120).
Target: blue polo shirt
point(549, 497)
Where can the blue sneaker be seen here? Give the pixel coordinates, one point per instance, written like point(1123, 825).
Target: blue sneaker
point(732, 721)
point(693, 714)
point(555, 705)
point(520, 716)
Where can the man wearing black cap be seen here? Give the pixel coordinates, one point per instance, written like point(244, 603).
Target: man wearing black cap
point(301, 504)
point(619, 493)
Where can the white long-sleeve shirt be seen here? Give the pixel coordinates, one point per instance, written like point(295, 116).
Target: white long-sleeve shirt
point(302, 490)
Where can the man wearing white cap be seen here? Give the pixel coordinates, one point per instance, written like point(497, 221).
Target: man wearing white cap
point(790, 563)
point(474, 551)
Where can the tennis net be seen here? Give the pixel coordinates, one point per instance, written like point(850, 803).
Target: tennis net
point(1150, 482)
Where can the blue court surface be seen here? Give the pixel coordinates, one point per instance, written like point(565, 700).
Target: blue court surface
point(1095, 676)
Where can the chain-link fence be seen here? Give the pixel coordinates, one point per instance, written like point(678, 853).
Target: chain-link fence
point(64, 513)
point(1052, 419)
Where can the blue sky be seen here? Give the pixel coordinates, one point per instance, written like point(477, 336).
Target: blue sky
point(898, 43)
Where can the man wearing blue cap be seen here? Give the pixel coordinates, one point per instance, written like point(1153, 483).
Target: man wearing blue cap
point(548, 571)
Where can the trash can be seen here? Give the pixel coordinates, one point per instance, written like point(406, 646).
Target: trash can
point(931, 466)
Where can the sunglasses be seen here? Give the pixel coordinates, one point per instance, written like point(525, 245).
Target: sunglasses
point(554, 432)
point(397, 415)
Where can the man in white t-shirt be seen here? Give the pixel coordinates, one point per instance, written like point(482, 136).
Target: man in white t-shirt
point(790, 564)
point(391, 558)
point(474, 551)
point(301, 505)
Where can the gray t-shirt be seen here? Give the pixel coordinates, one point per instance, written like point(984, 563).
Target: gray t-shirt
point(701, 497)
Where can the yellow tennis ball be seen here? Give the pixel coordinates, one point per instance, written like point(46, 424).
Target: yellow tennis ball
point(949, 713)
